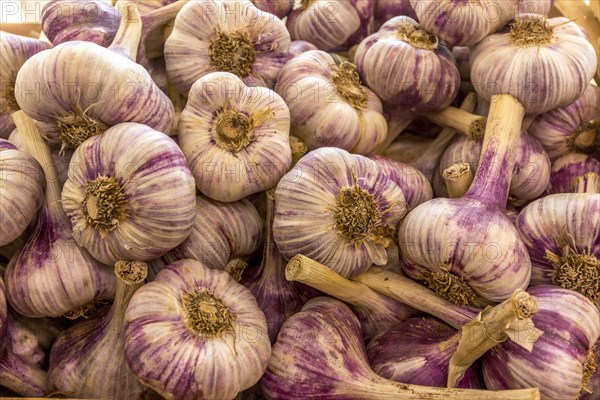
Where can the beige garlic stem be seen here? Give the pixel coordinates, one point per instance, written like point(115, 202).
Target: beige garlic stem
point(129, 34)
point(487, 330)
point(458, 178)
point(309, 272)
point(38, 148)
point(588, 183)
point(471, 125)
point(130, 277)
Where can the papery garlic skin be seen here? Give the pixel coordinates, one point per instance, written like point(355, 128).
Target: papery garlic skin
point(149, 206)
point(31, 338)
point(279, 8)
point(261, 38)
point(22, 185)
point(388, 9)
point(298, 47)
point(15, 51)
point(332, 25)
point(509, 63)
point(165, 353)
point(328, 105)
point(235, 137)
point(317, 201)
point(146, 6)
point(574, 128)
point(567, 168)
point(221, 232)
point(3, 316)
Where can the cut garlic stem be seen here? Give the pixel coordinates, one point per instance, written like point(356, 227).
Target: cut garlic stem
point(127, 38)
point(460, 120)
point(458, 178)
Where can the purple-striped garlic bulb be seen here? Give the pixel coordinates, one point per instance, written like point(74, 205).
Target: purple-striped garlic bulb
point(223, 236)
point(71, 102)
point(388, 9)
point(566, 170)
point(235, 137)
point(298, 47)
point(328, 105)
point(211, 322)
point(277, 297)
point(531, 172)
point(130, 195)
point(466, 249)
point(319, 353)
point(562, 236)
point(15, 51)
point(22, 185)
point(339, 209)
point(88, 360)
point(332, 25)
point(510, 63)
point(571, 129)
point(410, 69)
point(227, 36)
point(51, 275)
point(560, 362)
point(279, 8)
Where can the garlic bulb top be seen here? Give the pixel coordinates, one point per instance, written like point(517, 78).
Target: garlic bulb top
point(196, 333)
point(74, 105)
point(130, 195)
point(543, 63)
point(328, 105)
point(332, 25)
point(15, 51)
point(22, 185)
point(574, 128)
point(229, 36)
point(279, 8)
point(566, 170)
point(339, 209)
point(235, 137)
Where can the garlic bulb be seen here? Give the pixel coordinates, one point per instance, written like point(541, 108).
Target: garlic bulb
point(332, 25)
point(22, 186)
point(430, 78)
point(562, 236)
point(130, 195)
point(222, 236)
point(534, 62)
point(3, 316)
point(75, 106)
point(298, 47)
point(21, 377)
point(51, 275)
point(279, 8)
point(557, 363)
point(235, 137)
point(195, 333)
point(229, 36)
point(328, 105)
point(531, 173)
point(574, 128)
point(339, 209)
point(88, 360)
point(388, 9)
point(15, 51)
point(566, 169)
point(31, 338)
point(459, 246)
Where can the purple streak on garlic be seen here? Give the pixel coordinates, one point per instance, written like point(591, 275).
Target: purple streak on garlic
point(130, 194)
point(88, 20)
point(22, 187)
point(277, 297)
point(72, 103)
point(567, 168)
point(279, 8)
point(223, 235)
point(88, 360)
point(574, 128)
point(338, 209)
point(332, 25)
point(147, 6)
point(15, 51)
point(388, 9)
point(418, 351)
point(3, 317)
point(31, 338)
point(229, 36)
point(531, 173)
point(543, 63)
point(562, 235)
point(413, 183)
point(298, 47)
point(235, 137)
point(571, 326)
point(328, 105)
point(196, 333)
point(466, 249)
